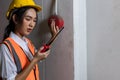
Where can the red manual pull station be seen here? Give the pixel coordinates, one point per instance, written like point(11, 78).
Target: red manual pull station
point(58, 21)
point(56, 17)
point(47, 45)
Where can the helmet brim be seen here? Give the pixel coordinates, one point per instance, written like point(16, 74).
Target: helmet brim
point(37, 7)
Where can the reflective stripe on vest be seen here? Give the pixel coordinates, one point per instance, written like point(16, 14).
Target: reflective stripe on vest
point(21, 60)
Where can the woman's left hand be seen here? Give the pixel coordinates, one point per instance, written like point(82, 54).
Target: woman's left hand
point(54, 29)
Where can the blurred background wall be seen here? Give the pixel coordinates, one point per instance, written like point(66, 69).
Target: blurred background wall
point(60, 64)
point(103, 39)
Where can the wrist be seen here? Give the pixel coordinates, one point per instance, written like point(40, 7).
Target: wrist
point(34, 60)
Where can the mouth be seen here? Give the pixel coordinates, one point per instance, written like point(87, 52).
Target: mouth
point(29, 29)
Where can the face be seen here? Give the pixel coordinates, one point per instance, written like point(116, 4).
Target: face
point(28, 23)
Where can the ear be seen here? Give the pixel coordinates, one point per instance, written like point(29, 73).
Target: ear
point(14, 17)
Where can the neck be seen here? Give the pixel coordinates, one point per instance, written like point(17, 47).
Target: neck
point(19, 35)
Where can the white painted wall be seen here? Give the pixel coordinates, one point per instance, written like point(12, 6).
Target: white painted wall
point(103, 38)
point(80, 46)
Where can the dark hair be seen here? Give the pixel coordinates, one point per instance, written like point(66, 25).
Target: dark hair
point(19, 17)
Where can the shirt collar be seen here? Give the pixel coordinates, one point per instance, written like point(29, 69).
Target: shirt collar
point(20, 41)
point(17, 38)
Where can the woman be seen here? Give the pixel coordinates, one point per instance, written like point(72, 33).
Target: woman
point(18, 56)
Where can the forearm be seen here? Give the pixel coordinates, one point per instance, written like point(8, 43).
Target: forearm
point(37, 57)
point(23, 75)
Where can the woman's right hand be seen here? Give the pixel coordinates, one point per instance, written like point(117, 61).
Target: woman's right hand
point(41, 55)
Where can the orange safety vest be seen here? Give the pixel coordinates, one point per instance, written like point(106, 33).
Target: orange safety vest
point(22, 58)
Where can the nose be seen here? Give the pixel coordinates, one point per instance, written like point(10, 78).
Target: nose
point(32, 24)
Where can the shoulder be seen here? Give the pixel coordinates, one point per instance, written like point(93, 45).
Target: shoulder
point(3, 47)
point(4, 52)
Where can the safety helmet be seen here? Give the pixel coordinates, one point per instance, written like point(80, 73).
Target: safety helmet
point(21, 3)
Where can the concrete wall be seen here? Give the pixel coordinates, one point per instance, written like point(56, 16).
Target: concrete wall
point(3, 20)
point(59, 65)
point(103, 37)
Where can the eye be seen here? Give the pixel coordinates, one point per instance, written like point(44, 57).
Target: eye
point(34, 20)
point(28, 18)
